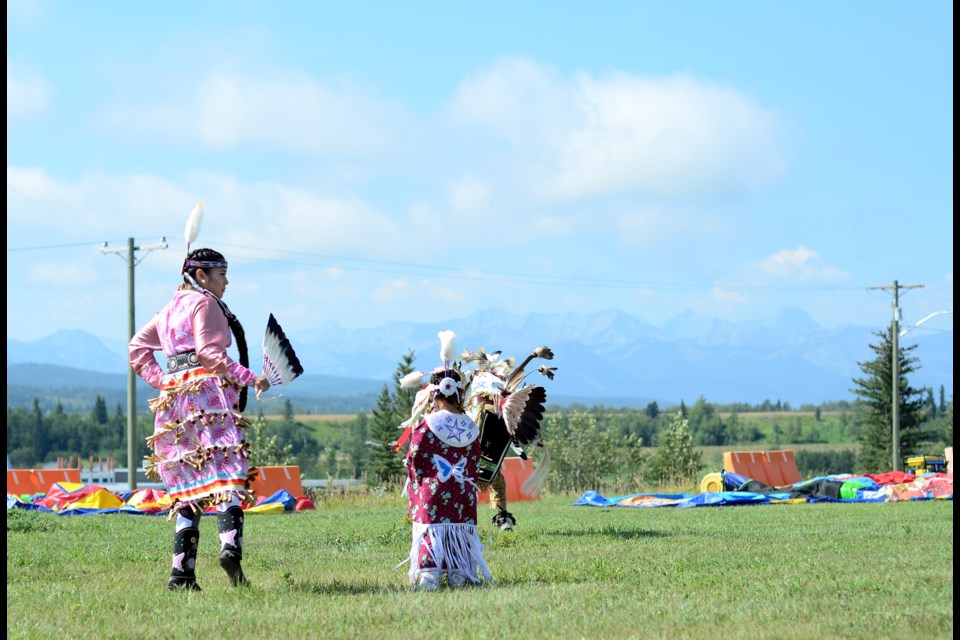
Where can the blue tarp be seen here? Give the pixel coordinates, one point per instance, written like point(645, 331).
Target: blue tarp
point(743, 490)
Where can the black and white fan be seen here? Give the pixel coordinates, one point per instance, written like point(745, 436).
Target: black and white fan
point(280, 362)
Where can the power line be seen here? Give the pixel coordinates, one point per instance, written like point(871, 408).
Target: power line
point(469, 273)
point(53, 246)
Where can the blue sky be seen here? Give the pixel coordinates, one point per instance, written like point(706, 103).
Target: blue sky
point(367, 162)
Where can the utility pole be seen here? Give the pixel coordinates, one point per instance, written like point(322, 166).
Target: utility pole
point(895, 366)
point(132, 463)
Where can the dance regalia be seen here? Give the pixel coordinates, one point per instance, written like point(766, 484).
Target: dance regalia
point(442, 497)
point(198, 448)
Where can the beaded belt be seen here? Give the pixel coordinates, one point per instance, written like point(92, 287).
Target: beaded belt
point(182, 361)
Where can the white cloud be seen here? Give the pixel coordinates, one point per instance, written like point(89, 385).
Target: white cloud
point(288, 111)
point(593, 136)
point(28, 93)
point(94, 203)
point(800, 264)
point(260, 216)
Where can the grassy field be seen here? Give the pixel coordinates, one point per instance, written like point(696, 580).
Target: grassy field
point(807, 571)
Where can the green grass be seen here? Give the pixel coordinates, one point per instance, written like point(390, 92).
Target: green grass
point(807, 571)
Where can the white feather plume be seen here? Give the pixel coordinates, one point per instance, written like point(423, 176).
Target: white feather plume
point(535, 482)
point(448, 347)
point(412, 380)
point(192, 229)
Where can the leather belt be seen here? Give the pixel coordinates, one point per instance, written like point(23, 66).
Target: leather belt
point(182, 361)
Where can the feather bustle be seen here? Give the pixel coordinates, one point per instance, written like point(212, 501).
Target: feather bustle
point(523, 411)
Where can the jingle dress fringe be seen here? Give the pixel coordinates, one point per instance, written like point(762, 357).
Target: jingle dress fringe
point(455, 548)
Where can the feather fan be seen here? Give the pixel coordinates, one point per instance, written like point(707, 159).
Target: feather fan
point(192, 229)
point(280, 362)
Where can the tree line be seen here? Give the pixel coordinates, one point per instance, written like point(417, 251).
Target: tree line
point(618, 449)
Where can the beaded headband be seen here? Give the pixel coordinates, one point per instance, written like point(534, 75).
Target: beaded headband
point(204, 264)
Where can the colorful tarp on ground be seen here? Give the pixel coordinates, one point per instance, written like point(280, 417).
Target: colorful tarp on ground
point(76, 499)
point(895, 486)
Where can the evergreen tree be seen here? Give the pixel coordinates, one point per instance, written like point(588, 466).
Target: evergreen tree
point(98, 415)
point(41, 436)
point(403, 398)
point(930, 405)
point(386, 466)
point(946, 419)
point(876, 406)
point(119, 428)
point(652, 410)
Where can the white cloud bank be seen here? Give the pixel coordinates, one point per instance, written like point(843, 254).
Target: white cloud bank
point(582, 135)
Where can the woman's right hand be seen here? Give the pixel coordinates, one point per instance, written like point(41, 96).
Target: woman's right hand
point(261, 385)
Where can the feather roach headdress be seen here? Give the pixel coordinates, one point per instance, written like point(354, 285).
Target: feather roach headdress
point(280, 362)
point(446, 380)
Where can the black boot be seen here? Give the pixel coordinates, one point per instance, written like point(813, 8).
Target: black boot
point(185, 544)
point(230, 525)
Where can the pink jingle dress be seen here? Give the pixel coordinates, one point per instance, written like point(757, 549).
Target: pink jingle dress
point(198, 448)
point(442, 497)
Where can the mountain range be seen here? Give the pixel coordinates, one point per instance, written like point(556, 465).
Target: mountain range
point(609, 358)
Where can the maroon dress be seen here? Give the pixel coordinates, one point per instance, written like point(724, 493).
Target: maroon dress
point(442, 497)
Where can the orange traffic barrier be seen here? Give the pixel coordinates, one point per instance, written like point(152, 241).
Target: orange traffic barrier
point(272, 479)
point(774, 468)
point(34, 481)
point(515, 471)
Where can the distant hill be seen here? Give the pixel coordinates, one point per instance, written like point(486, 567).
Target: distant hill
point(609, 358)
point(77, 389)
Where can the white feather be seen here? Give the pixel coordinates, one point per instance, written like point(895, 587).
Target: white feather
point(412, 380)
point(448, 347)
point(192, 229)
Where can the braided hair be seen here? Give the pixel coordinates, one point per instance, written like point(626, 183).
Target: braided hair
point(451, 392)
point(209, 259)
